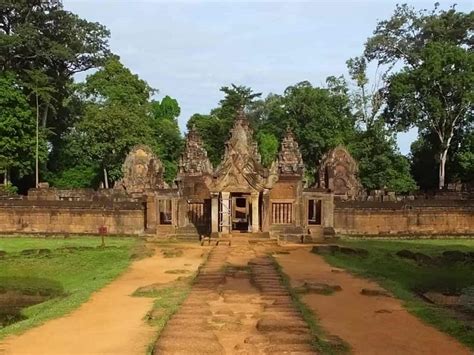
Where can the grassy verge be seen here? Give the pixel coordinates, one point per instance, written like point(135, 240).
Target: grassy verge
point(408, 279)
point(73, 268)
point(322, 342)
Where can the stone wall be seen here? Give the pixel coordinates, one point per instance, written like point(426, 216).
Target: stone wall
point(424, 217)
point(71, 217)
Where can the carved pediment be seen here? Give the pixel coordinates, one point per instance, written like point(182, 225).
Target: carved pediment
point(241, 169)
point(142, 170)
point(338, 172)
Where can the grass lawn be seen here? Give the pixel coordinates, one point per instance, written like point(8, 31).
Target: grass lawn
point(67, 273)
point(407, 279)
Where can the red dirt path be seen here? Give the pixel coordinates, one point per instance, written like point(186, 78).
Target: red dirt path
point(371, 325)
point(111, 321)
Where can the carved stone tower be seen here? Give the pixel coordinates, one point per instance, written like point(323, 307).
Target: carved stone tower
point(194, 160)
point(289, 158)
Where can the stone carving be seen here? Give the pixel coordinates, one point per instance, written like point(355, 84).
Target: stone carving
point(241, 168)
point(194, 160)
point(142, 170)
point(338, 172)
point(289, 158)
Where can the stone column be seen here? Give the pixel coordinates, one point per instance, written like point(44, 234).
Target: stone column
point(255, 217)
point(215, 213)
point(151, 212)
point(266, 211)
point(225, 201)
point(174, 212)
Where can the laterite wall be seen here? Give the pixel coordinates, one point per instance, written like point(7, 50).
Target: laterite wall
point(413, 218)
point(23, 216)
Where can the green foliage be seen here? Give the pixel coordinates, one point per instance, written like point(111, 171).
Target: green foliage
point(404, 278)
point(116, 116)
point(380, 164)
point(17, 129)
point(433, 90)
point(168, 108)
point(167, 137)
point(115, 84)
point(109, 132)
point(38, 36)
point(214, 128)
point(268, 146)
point(80, 176)
point(9, 189)
point(465, 158)
point(320, 118)
point(460, 165)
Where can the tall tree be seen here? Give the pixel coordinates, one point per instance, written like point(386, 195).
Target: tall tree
point(39, 36)
point(166, 134)
point(214, 128)
point(17, 130)
point(40, 88)
point(374, 146)
point(320, 118)
point(116, 116)
point(434, 89)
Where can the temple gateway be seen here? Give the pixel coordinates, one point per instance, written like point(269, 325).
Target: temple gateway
point(240, 195)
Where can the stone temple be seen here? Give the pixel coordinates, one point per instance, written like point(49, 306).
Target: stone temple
point(240, 195)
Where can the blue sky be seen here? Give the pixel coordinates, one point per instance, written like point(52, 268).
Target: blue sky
point(189, 49)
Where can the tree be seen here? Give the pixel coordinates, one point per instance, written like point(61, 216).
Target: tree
point(460, 163)
point(168, 108)
point(374, 146)
point(320, 118)
point(42, 91)
point(17, 130)
point(434, 89)
point(108, 133)
point(214, 128)
point(116, 116)
point(166, 134)
point(268, 146)
point(381, 166)
point(38, 35)
point(211, 129)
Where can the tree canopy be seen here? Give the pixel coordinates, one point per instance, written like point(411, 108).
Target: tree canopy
point(433, 91)
point(86, 129)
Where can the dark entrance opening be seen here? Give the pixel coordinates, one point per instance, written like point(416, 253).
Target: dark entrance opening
point(240, 212)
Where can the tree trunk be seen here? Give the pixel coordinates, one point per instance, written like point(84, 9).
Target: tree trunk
point(7, 177)
point(37, 144)
point(442, 168)
point(44, 119)
point(106, 179)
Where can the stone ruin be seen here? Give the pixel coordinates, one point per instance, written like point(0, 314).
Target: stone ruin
point(241, 168)
point(290, 160)
point(338, 172)
point(142, 170)
point(194, 160)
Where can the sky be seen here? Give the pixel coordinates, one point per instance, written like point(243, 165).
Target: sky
point(190, 49)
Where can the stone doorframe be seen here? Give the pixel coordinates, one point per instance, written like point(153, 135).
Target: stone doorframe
point(221, 212)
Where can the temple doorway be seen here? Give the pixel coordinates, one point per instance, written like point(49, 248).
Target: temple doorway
point(241, 212)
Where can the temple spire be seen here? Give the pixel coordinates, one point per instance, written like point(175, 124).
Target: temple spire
point(194, 160)
point(290, 160)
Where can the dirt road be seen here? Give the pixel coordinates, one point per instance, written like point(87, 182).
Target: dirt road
point(371, 325)
point(237, 306)
point(112, 321)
